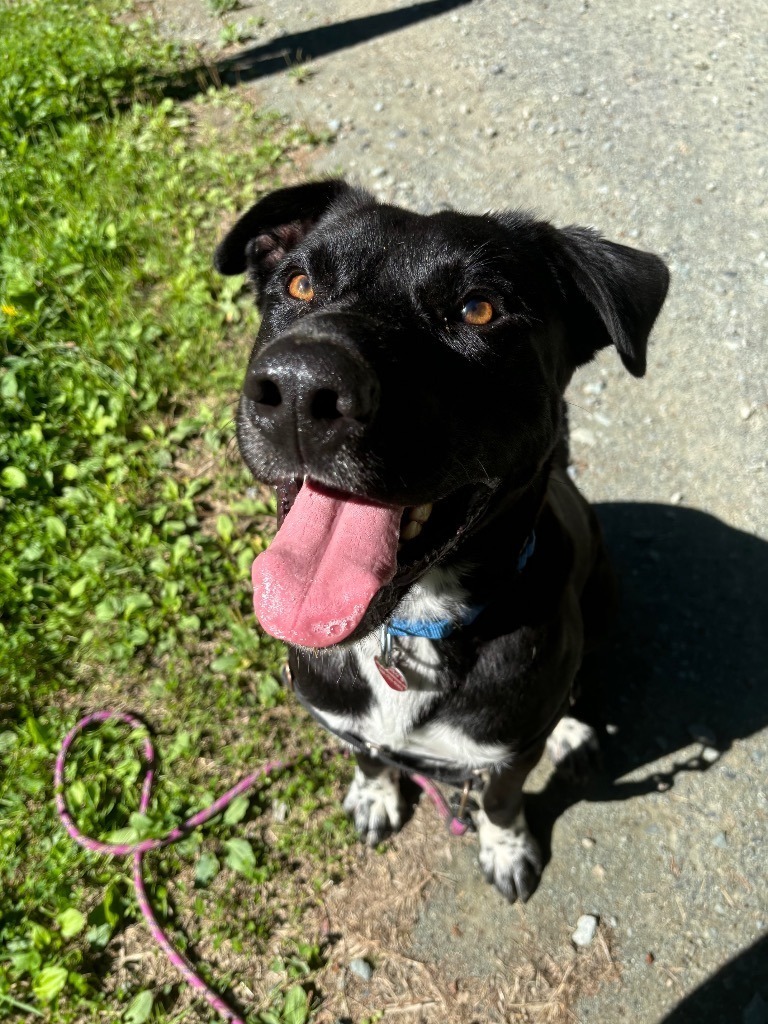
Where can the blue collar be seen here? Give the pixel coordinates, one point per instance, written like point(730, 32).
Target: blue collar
point(439, 629)
point(433, 629)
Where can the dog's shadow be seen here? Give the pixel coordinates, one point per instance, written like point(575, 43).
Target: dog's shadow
point(687, 659)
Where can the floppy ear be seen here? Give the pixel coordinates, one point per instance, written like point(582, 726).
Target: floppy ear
point(614, 294)
point(274, 226)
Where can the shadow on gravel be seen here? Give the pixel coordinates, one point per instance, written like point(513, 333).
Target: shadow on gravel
point(688, 658)
point(299, 47)
point(731, 994)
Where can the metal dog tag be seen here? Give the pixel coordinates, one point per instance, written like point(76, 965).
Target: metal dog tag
point(392, 676)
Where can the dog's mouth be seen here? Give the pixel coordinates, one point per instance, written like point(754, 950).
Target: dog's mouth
point(334, 552)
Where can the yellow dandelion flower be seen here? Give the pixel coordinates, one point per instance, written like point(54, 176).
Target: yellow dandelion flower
point(9, 310)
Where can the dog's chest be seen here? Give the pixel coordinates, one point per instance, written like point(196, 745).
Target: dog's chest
point(393, 716)
point(410, 721)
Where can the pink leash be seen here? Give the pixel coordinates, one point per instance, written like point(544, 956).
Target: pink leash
point(137, 850)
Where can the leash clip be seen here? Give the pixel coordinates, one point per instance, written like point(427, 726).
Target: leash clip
point(460, 814)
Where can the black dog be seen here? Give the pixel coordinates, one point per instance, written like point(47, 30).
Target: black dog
point(436, 573)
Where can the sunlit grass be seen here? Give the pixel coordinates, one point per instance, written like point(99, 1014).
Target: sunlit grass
point(127, 523)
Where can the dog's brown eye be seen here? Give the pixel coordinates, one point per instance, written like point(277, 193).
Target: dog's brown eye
point(477, 312)
point(300, 287)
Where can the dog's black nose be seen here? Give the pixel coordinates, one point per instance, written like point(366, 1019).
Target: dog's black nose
point(312, 392)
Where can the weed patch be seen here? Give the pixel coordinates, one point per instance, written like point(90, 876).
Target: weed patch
point(128, 528)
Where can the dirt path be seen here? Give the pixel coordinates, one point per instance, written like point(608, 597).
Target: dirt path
point(650, 123)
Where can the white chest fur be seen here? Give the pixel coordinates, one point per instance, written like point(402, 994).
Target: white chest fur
point(392, 718)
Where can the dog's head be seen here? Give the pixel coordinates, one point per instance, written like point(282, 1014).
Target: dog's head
point(406, 369)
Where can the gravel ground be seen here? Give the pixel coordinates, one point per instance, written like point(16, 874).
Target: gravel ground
point(650, 123)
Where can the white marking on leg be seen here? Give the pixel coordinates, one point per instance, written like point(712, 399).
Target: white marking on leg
point(509, 856)
point(375, 804)
point(569, 738)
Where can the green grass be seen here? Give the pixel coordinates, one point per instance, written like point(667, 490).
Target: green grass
point(127, 528)
point(222, 7)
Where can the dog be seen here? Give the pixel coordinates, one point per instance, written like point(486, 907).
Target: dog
point(436, 573)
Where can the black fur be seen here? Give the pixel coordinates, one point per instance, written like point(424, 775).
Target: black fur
point(427, 408)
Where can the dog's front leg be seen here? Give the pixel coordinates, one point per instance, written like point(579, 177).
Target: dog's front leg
point(509, 855)
point(374, 801)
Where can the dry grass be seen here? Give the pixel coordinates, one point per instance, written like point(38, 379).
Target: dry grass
point(371, 914)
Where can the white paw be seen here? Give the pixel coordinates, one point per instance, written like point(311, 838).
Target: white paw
point(574, 749)
point(375, 805)
point(510, 857)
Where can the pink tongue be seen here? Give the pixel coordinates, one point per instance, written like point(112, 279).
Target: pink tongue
point(330, 556)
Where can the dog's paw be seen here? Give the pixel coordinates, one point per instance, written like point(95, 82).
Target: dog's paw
point(574, 749)
point(510, 858)
point(375, 805)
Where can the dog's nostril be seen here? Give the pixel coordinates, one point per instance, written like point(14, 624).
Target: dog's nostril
point(266, 392)
point(325, 405)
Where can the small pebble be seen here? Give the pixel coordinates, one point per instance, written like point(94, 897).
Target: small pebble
point(599, 872)
point(587, 842)
point(676, 498)
point(334, 125)
point(583, 436)
point(720, 841)
point(361, 968)
point(710, 754)
point(378, 107)
point(496, 69)
point(586, 929)
point(746, 411)
point(378, 172)
point(593, 387)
